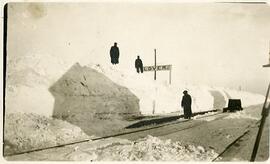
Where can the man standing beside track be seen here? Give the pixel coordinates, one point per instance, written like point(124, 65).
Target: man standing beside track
point(186, 104)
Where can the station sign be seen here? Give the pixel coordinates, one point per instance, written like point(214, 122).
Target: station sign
point(158, 68)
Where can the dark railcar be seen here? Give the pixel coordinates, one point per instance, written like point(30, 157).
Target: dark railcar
point(233, 105)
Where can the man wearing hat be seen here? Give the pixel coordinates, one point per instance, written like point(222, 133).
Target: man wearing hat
point(114, 53)
point(186, 104)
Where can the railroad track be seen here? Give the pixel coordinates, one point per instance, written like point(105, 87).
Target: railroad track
point(167, 125)
point(113, 135)
point(227, 148)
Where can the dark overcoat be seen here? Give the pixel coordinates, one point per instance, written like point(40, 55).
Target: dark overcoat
point(186, 104)
point(114, 53)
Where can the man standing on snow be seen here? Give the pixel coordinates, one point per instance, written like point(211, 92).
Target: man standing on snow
point(139, 64)
point(114, 53)
point(186, 104)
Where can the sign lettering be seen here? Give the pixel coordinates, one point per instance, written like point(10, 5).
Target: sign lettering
point(158, 68)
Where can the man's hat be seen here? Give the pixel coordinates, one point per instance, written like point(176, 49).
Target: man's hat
point(185, 91)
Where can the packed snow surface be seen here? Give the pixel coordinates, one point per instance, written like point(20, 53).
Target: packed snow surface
point(159, 98)
point(29, 77)
point(204, 116)
point(241, 115)
point(146, 149)
point(247, 98)
point(24, 132)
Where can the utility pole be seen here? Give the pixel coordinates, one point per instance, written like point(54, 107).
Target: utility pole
point(155, 74)
point(265, 113)
point(4, 63)
point(268, 65)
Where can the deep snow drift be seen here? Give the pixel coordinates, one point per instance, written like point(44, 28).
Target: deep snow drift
point(146, 149)
point(200, 143)
point(24, 132)
point(242, 115)
point(29, 78)
point(160, 98)
point(91, 101)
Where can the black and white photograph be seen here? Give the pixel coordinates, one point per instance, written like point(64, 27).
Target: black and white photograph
point(143, 81)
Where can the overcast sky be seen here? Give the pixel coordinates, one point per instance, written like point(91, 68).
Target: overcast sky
point(207, 44)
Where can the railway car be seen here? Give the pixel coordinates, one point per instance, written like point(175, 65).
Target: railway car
point(233, 105)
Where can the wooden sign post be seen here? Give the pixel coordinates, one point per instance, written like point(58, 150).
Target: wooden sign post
point(156, 68)
point(155, 74)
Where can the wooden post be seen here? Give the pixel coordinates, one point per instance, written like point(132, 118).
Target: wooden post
point(269, 52)
point(155, 74)
point(265, 112)
point(170, 76)
point(5, 23)
point(154, 106)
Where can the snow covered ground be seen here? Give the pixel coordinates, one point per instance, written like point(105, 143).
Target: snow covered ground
point(148, 148)
point(24, 132)
point(29, 79)
point(164, 98)
point(34, 67)
point(242, 115)
point(28, 93)
point(204, 116)
point(176, 142)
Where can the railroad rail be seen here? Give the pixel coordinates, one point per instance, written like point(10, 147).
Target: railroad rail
point(235, 141)
point(114, 135)
point(222, 115)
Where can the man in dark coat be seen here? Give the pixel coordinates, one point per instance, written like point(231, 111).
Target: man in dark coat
point(186, 104)
point(139, 64)
point(114, 53)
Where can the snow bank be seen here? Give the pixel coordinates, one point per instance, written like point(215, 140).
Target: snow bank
point(202, 100)
point(241, 115)
point(29, 79)
point(35, 99)
point(247, 98)
point(146, 149)
point(88, 99)
point(156, 97)
point(145, 89)
point(204, 116)
point(159, 98)
point(35, 68)
point(31, 131)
